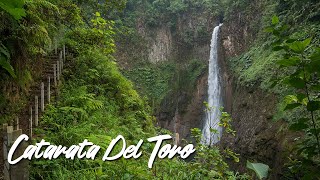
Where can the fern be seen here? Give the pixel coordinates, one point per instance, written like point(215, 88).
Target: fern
point(40, 25)
point(4, 60)
point(14, 8)
point(43, 4)
point(77, 113)
point(82, 99)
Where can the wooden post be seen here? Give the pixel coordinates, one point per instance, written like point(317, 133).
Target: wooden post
point(16, 124)
point(9, 134)
point(64, 52)
point(31, 121)
point(19, 170)
point(61, 62)
point(177, 139)
point(6, 146)
point(55, 74)
point(58, 70)
point(4, 135)
point(42, 97)
point(60, 56)
point(55, 47)
point(48, 89)
point(62, 66)
point(36, 111)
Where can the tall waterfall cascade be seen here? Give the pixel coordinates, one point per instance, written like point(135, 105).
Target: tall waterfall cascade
point(211, 130)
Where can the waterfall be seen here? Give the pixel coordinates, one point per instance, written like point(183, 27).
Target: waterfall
point(214, 95)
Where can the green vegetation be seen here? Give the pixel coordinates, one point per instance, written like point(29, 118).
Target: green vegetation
point(81, 115)
point(152, 80)
point(159, 12)
point(256, 66)
point(97, 102)
point(260, 169)
point(177, 75)
point(26, 34)
point(156, 81)
point(301, 61)
point(284, 60)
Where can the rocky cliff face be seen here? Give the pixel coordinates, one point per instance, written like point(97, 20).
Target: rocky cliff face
point(187, 112)
point(183, 109)
point(188, 40)
point(257, 138)
point(161, 46)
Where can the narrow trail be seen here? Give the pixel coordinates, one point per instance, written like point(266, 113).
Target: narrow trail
point(47, 71)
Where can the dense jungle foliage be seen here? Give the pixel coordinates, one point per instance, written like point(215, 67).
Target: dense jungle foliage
point(284, 60)
point(97, 101)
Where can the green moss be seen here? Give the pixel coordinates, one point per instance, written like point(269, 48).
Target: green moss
point(152, 80)
point(254, 66)
point(257, 66)
point(156, 81)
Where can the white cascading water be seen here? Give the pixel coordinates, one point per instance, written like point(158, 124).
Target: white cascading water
point(214, 95)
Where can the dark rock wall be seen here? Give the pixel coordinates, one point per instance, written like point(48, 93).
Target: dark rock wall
point(189, 115)
point(257, 138)
point(183, 109)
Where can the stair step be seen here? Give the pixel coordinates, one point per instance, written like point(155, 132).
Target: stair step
point(35, 90)
point(49, 65)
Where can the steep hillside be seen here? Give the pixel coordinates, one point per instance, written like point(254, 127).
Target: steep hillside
point(168, 44)
point(139, 68)
point(170, 35)
point(95, 101)
point(259, 115)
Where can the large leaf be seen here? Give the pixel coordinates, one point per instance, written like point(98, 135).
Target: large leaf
point(301, 97)
point(14, 8)
point(300, 46)
point(291, 99)
point(316, 55)
point(269, 29)
point(292, 106)
point(299, 126)
point(277, 48)
point(6, 65)
point(4, 60)
point(275, 20)
point(260, 169)
point(296, 82)
point(4, 51)
point(293, 61)
point(313, 106)
point(314, 65)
